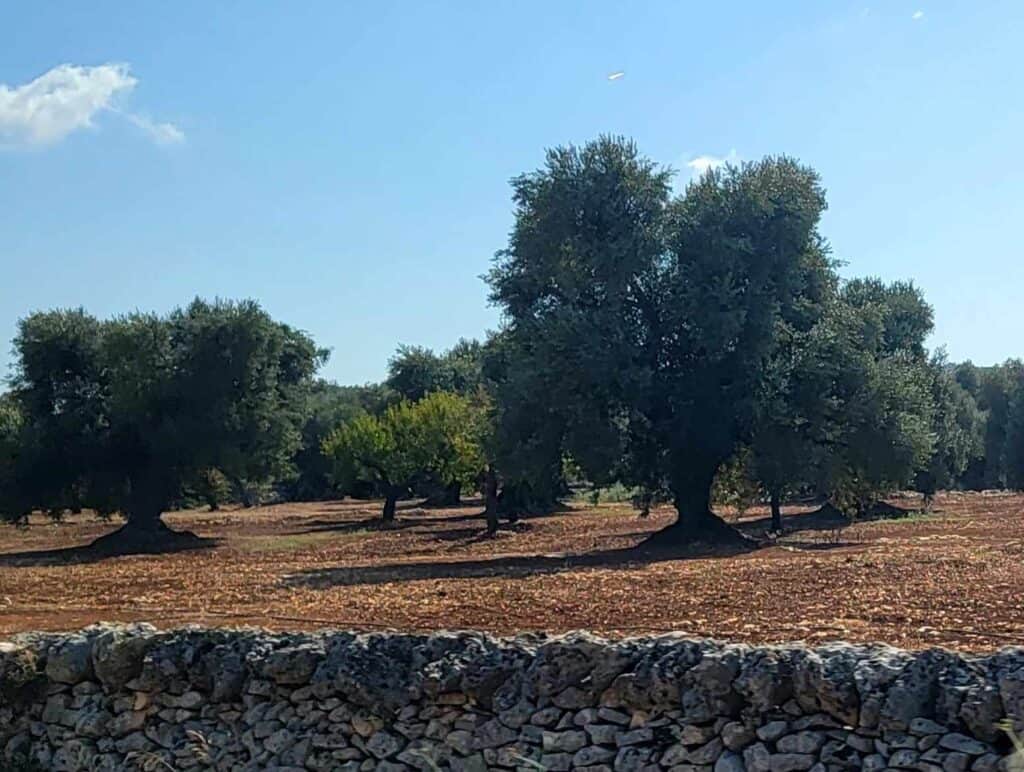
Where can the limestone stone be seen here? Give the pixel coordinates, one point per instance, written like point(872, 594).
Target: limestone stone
point(958, 742)
point(806, 742)
point(465, 701)
point(790, 762)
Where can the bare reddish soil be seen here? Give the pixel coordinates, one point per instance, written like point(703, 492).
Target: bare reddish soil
point(953, 578)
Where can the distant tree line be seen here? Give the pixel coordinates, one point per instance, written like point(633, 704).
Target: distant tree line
point(690, 347)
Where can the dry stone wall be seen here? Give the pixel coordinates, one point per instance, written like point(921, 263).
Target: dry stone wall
point(131, 697)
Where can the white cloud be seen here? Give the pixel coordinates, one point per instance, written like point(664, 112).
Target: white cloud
point(68, 98)
point(702, 163)
point(161, 132)
point(918, 15)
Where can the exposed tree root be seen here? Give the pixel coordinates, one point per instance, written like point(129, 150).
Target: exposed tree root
point(698, 535)
point(147, 538)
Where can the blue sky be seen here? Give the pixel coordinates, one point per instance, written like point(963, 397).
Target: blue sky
point(348, 164)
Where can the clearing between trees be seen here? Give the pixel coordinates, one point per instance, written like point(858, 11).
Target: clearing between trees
point(952, 578)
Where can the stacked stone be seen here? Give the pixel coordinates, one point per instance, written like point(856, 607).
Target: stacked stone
point(113, 698)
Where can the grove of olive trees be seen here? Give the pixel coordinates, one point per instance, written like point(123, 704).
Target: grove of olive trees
point(673, 343)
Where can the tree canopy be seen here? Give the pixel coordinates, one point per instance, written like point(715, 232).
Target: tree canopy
point(328, 406)
point(437, 436)
point(653, 316)
point(674, 342)
point(119, 415)
point(415, 371)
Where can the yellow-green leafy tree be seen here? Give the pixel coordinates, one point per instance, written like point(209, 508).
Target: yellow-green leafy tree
point(437, 436)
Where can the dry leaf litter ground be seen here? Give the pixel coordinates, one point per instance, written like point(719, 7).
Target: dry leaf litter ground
point(953, 578)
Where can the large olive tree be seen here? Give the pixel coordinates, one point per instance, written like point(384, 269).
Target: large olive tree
point(120, 415)
point(652, 318)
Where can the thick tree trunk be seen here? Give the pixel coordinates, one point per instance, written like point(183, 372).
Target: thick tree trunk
point(695, 522)
point(491, 499)
point(390, 502)
point(453, 494)
point(776, 512)
point(146, 532)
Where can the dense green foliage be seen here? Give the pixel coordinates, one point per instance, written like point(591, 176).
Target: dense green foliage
point(437, 436)
point(997, 394)
point(650, 317)
point(414, 371)
point(328, 407)
point(683, 347)
point(123, 414)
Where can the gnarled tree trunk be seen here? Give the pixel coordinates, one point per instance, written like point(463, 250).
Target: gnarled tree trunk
point(145, 530)
point(695, 522)
point(390, 503)
point(491, 499)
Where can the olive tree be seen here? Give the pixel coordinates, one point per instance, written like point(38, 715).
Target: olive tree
point(850, 405)
point(1013, 452)
point(121, 415)
point(651, 317)
point(327, 407)
point(957, 429)
point(415, 371)
point(876, 387)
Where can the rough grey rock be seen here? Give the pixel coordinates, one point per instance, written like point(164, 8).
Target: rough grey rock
point(592, 755)
point(737, 735)
point(790, 762)
point(466, 701)
point(757, 758)
point(729, 762)
point(958, 742)
point(69, 661)
point(801, 742)
point(569, 741)
point(118, 652)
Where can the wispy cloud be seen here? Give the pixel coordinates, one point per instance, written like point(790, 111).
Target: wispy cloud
point(918, 15)
point(702, 163)
point(68, 98)
point(161, 132)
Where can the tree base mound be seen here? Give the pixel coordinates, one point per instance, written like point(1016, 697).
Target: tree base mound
point(151, 538)
point(708, 534)
point(829, 511)
point(878, 510)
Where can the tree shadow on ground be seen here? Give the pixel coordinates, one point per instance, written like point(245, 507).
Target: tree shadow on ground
point(410, 517)
point(98, 550)
point(506, 567)
point(825, 518)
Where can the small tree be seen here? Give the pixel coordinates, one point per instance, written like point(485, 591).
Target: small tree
point(886, 438)
point(883, 432)
point(414, 372)
point(328, 407)
point(121, 415)
point(435, 436)
point(1013, 453)
point(791, 429)
point(996, 396)
point(957, 428)
point(526, 435)
point(10, 447)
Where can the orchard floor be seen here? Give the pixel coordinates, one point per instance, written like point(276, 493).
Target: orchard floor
point(952, 578)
